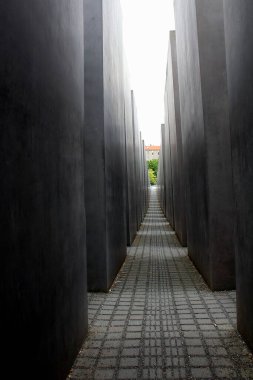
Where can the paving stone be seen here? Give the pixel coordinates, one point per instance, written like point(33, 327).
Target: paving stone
point(193, 342)
point(106, 374)
point(222, 362)
point(127, 374)
point(226, 373)
point(129, 362)
point(113, 353)
point(217, 351)
point(196, 351)
point(198, 361)
point(201, 373)
point(160, 321)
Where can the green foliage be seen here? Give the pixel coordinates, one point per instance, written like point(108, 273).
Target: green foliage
point(152, 171)
point(152, 177)
point(153, 164)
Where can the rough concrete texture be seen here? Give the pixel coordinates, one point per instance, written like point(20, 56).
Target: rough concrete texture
point(104, 142)
point(206, 139)
point(160, 321)
point(173, 143)
point(43, 259)
point(239, 44)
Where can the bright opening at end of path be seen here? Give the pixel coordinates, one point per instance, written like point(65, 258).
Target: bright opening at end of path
point(146, 26)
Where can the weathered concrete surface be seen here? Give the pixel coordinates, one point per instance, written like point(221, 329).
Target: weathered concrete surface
point(206, 139)
point(43, 259)
point(173, 143)
point(104, 142)
point(239, 44)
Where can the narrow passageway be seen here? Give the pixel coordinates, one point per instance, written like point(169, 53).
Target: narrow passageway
point(160, 320)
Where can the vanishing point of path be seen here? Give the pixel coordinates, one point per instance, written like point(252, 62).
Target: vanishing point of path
point(160, 320)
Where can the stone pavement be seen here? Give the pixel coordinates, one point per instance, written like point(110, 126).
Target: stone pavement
point(160, 320)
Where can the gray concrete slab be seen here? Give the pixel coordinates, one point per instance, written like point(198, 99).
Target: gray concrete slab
point(239, 44)
point(137, 161)
point(43, 258)
point(175, 191)
point(160, 320)
point(162, 184)
point(145, 183)
point(206, 139)
point(136, 168)
point(131, 196)
point(105, 178)
point(168, 161)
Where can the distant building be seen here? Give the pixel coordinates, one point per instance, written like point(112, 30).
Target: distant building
point(152, 152)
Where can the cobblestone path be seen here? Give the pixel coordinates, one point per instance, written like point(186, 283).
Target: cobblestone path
point(160, 320)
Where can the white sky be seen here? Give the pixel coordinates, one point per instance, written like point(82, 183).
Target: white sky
point(146, 26)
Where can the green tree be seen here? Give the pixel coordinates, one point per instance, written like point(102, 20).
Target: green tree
point(153, 164)
point(152, 177)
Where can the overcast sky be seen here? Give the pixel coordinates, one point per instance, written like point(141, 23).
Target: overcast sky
point(146, 26)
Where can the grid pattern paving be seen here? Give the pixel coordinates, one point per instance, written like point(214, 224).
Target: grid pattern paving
point(160, 320)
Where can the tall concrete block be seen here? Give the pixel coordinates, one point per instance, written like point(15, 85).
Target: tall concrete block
point(174, 148)
point(239, 46)
point(137, 161)
point(206, 139)
point(130, 166)
point(168, 164)
point(142, 177)
point(163, 172)
point(43, 258)
point(147, 184)
point(104, 142)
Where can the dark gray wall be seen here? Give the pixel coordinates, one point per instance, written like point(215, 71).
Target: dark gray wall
point(130, 166)
point(114, 136)
point(137, 182)
point(137, 163)
point(95, 197)
point(206, 138)
point(162, 173)
point(140, 165)
point(168, 161)
point(147, 183)
point(239, 44)
point(104, 142)
point(43, 260)
point(142, 178)
point(173, 143)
